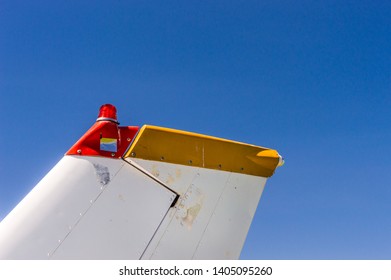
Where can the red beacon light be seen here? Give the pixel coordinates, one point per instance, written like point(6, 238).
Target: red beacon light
point(107, 112)
point(105, 138)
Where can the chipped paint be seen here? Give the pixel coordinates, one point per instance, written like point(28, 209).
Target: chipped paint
point(190, 206)
point(191, 215)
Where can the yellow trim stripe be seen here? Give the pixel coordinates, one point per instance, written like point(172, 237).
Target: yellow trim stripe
point(192, 149)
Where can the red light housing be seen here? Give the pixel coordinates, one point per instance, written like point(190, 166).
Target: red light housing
point(105, 138)
point(107, 112)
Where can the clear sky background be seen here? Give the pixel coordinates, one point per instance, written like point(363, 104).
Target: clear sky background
point(311, 79)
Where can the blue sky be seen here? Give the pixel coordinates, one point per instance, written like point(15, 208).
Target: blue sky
point(311, 79)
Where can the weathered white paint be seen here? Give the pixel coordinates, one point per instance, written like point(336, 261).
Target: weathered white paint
point(102, 208)
point(212, 216)
point(86, 208)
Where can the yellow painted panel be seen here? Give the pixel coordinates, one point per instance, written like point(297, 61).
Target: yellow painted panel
point(192, 149)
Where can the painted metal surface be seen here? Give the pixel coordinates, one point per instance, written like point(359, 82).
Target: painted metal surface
point(174, 195)
point(86, 208)
point(191, 149)
point(105, 138)
point(212, 216)
point(231, 219)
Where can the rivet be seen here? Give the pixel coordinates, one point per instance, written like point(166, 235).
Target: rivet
point(190, 162)
point(79, 151)
point(161, 158)
point(133, 154)
point(113, 154)
point(128, 139)
point(219, 166)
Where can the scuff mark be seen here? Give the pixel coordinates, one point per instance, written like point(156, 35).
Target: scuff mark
point(178, 173)
point(173, 177)
point(102, 173)
point(170, 180)
point(155, 171)
point(190, 207)
point(191, 215)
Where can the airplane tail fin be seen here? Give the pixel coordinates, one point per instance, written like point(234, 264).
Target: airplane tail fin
point(148, 193)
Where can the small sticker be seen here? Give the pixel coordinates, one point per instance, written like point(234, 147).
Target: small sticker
point(108, 144)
